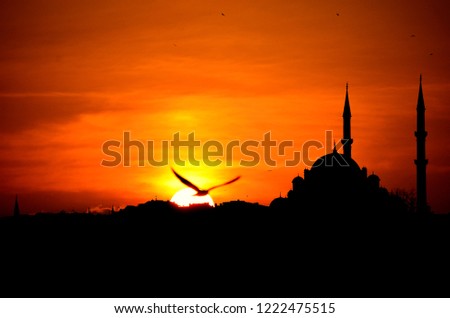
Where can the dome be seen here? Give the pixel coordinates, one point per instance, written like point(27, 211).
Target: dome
point(373, 178)
point(373, 181)
point(278, 203)
point(297, 183)
point(335, 160)
point(297, 179)
point(335, 172)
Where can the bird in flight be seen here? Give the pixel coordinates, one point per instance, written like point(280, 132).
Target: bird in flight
point(201, 192)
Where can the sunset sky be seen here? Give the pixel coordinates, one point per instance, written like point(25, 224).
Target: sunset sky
point(74, 74)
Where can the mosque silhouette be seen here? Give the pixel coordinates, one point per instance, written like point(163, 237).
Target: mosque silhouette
point(335, 182)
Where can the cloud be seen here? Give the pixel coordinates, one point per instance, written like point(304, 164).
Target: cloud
point(26, 111)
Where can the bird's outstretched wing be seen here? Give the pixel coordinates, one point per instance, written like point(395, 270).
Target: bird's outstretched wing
point(220, 185)
point(186, 182)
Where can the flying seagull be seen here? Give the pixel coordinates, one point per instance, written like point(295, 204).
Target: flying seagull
point(199, 191)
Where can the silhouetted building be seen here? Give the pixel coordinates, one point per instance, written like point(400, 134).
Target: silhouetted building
point(335, 181)
point(16, 207)
point(279, 203)
point(421, 161)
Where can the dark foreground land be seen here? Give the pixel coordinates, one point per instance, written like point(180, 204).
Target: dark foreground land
point(156, 250)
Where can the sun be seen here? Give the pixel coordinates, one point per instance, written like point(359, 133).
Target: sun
point(186, 197)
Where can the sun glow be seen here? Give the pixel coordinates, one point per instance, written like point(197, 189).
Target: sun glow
point(187, 197)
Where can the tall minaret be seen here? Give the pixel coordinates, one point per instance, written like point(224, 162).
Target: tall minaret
point(421, 161)
point(347, 140)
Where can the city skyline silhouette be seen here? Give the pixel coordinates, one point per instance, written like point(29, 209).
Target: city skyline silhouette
point(334, 114)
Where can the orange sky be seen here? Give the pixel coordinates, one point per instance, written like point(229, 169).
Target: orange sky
point(74, 74)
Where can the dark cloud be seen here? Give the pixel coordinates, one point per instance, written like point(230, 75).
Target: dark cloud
point(19, 113)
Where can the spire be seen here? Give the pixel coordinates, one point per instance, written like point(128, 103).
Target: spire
point(347, 111)
point(347, 115)
point(420, 100)
point(16, 207)
point(421, 161)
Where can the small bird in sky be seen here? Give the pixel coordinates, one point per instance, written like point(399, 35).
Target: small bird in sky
point(201, 192)
point(337, 13)
point(223, 14)
point(413, 35)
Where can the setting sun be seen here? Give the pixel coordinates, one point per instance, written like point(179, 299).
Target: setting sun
point(187, 197)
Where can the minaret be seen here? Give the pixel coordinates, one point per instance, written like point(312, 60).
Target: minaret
point(16, 208)
point(421, 161)
point(347, 115)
